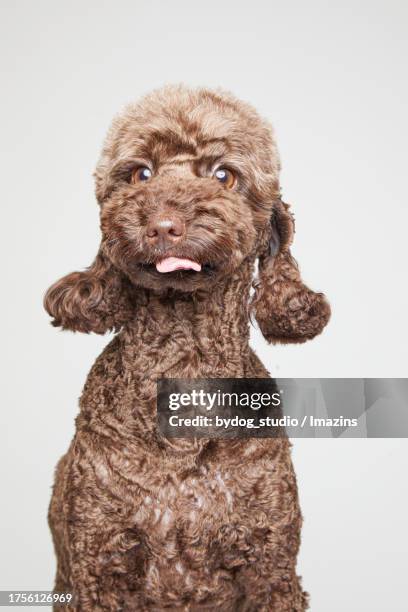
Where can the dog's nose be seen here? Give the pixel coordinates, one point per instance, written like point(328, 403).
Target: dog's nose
point(164, 231)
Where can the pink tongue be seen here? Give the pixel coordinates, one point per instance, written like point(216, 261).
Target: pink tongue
point(169, 264)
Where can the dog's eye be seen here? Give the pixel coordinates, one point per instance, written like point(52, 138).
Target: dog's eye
point(141, 174)
point(225, 176)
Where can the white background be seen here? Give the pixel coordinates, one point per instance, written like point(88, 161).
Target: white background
point(331, 76)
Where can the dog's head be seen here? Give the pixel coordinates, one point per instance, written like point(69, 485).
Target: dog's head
point(186, 183)
point(188, 187)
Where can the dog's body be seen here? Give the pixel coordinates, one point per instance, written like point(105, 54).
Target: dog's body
point(141, 522)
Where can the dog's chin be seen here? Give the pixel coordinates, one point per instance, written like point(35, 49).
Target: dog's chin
point(146, 275)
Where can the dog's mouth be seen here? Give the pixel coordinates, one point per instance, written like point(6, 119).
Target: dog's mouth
point(173, 264)
point(179, 266)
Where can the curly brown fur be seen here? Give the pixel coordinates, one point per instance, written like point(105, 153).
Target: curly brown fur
point(141, 522)
point(285, 309)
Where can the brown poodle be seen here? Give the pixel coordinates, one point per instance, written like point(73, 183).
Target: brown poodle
point(188, 188)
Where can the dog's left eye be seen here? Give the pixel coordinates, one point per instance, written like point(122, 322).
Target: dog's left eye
point(141, 174)
point(226, 177)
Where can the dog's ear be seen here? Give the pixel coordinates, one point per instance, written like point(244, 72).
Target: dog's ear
point(96, 300)
point(285, 309)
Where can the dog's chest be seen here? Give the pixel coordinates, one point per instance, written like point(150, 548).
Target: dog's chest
point(189, 504)
point(202, 516)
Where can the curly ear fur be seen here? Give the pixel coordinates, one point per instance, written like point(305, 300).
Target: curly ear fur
point(96, 300)
point(286, 310)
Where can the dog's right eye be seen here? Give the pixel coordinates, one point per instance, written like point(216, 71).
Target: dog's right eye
point(226, 177)
point(141, 174)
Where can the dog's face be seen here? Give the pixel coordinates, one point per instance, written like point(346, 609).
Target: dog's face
point(186, 183)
